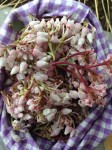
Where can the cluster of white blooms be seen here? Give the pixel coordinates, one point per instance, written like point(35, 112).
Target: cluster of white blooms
point(53, 68)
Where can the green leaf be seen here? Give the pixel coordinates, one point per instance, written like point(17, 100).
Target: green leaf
point(70, 60)
point(17, 25)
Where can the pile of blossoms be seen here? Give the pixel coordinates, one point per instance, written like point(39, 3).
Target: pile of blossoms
point(53, 68)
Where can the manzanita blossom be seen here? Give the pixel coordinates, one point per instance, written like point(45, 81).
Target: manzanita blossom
point(54, 76)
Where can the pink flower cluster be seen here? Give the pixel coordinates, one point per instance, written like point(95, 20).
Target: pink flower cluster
point(53, 67)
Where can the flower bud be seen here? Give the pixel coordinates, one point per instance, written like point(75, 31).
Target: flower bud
point(85, 31)
point(16, 111)
point(25, 57)
point(43, 23)
point(30, 102)
point(68, 129)
point(74, 94)
point(64, 20)
point(23, 67)
point(57, 23)
point(77, 27)
point(40, 40)
point(38, 27)
point(27, 117)
point(81, 41)
point(46, 111)
point(21, 100)
point(82, 95)
point(31, 107)
point(75, 84)
point(70, 24)
point(74, 40)
point(55, 97)
point(54, 39)
point(46, 58)
point(90, 37)
point(81, 103)
point(20, 108)
point(50, 117)
point(3, 62)
point(20, 76)
point(10, 61)
point(16, 138)
point(15, 70)
point(42, 34)
point(41, 64)
point(33, 23)
point(66, 111)
point(52, 21)
point(39, 76)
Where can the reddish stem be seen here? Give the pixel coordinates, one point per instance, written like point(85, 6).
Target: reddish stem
point(97, 65)
point(79, 53)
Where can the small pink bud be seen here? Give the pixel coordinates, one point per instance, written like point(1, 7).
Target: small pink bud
point(64, 20)
point(46, 111)
point(74, 39)
point(42, 34)
point(10, 61)
point(81, 41)
point(47, 58)
point(82, 95)
point(27, 117)
point(3, 62)
point(75, 84)
point(66, 111)
point(38, 27)
point(52, 21)
point(50, 117)
point(55, 97)
point(33, 23)
point(54, 39)
point(21, 100)
point(20, 108)
point(74, 94)
point(23, 67)
point(90, 37)
point(70, 24)
point(43, 23)
point(68, 129)
point(82, 87)
point(10, 109)
point(15, 70)
point(49, 24)
point(25, 57)
point(16, 111)
point(67, 97)
point(41, 64)
point(20, 115)
point(81, 103)
point(77, 27)
point(31, 107)
point(40, 40)
point(36, 51)
point(30, 102)
point(39, 76)
point(16, 138)
point(57, 22)
point(85, 31)
point(20, 76)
